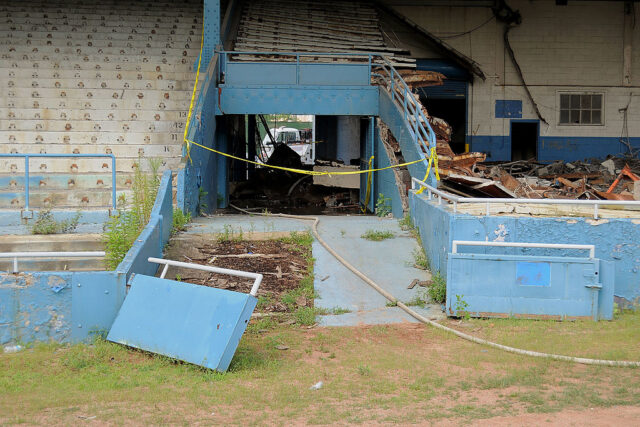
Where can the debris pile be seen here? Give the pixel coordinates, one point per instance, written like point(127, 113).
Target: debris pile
point(616, 178)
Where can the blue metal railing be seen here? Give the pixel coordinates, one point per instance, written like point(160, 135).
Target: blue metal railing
point(29, 156)
point(378, 67)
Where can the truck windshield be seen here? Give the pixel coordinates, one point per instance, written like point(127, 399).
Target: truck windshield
point(287, 137)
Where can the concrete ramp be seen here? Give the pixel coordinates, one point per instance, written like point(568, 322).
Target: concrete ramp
point(195, 324)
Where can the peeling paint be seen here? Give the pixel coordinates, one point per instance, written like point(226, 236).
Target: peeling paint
point(572, 221)
point(501, 233)
point(635, 221)
point(597, 221)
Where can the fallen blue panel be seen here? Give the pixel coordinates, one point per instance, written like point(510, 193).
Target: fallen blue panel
point(495, 285)
point(196, 324)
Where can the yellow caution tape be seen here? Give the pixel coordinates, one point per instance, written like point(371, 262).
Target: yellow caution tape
point(368, 193)
point(432, 159)
point(302, 171)
point(193, 96)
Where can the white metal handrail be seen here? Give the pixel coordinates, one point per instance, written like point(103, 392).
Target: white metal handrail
point(431, 191)
point(167, 262)
point(456, 243)
point(17, 255)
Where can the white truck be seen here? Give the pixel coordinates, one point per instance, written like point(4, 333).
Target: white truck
point(304, 147)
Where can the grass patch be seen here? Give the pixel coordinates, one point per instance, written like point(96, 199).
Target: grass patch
point(369, 376)
point(376, 235)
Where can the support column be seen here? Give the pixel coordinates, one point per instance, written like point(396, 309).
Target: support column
point(627, 42)
point(251, 142)
point(211, 31)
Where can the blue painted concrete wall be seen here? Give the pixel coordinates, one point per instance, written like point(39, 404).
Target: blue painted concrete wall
point(385, 181)
point(616, 239)
point(58, 306)
point(200, 172)
point(552, 148)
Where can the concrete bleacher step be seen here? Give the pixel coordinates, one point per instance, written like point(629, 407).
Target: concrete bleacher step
point(74, 242)
point(78, 77)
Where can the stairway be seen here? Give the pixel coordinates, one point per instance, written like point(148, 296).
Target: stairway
point(313, 26)
point(76, 242)
point(81, 77)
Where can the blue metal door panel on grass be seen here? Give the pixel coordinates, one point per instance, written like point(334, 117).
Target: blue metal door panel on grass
point(196, 324)
point(96, 297)
point(529, 286)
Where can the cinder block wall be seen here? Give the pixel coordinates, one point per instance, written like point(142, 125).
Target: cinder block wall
point(573, 48)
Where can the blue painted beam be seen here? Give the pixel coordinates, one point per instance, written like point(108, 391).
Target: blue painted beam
point(319, 100)
point(211, 31)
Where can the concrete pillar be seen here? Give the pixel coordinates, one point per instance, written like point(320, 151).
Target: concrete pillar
point(348, 139)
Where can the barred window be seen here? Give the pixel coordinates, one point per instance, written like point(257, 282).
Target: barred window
point(580, 109)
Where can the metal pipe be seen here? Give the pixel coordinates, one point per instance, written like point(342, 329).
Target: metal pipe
point(256, 276)
point(17, 255)
point(456, 243)
point(453, 198)
point(26, 182)
point(88, 254)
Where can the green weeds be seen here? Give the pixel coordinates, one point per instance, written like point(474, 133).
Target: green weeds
point(383, 206)
point(121, 230)
point(180, 220)
point(377, 236)
point(438, 289)
point(45, 223)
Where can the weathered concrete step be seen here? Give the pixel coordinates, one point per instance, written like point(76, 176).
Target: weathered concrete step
point(15, 182)
point(104, 8)
point(125, 95)
point(56, 74)
point(108, 114)
point(80, 31)
point(90, 50)
point(119, 150)
point(81, 165)
point(52, 242)
point(97, 25)
point(93, 83)
point(57, 64)
point(97, 104)
point(115, 125)
point(97, 43)
point(37, 137)
point(59, 199)
point(55, 264)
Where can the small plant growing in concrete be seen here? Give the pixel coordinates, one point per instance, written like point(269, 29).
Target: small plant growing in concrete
point(180, 220)
point(383, 206)
point(438, 289)
point(377, 236)
point(45, 223)
point(461, 307)
point(203, 206)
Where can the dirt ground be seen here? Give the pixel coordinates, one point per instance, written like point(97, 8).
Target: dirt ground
point(283, 264)
point(372, 375)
